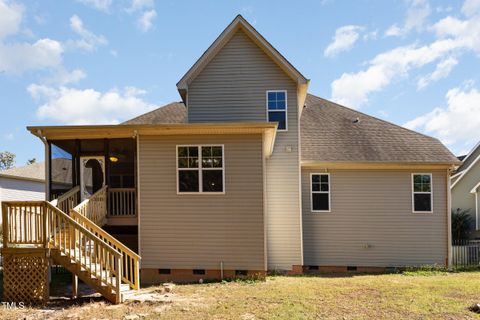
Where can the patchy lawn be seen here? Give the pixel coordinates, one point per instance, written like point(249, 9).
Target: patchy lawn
point(395, 296)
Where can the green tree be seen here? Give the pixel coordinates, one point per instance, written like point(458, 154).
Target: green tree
point(31, 161)
point(7, 160)
point(462, 224)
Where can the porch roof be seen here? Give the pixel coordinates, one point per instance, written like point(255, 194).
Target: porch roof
point(267, 129)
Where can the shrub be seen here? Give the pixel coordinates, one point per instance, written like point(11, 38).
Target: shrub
point(462, 224)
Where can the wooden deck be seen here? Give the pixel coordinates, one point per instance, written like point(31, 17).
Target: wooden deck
point(75, 241)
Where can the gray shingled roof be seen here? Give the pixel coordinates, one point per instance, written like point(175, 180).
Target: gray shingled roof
point(35, 171)
point(329, 133)
point(174, 112)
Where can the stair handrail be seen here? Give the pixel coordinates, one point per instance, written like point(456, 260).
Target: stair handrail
point(68, 200)
point(95, 207)
point(130, 260)
point(42, 224)
point(108, 258)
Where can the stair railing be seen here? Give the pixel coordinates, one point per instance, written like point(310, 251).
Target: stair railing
point(95, 207)
point(41, 224)
point(69, 199)
point(130, 260)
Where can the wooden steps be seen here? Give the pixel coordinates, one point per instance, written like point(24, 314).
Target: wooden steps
point(105, 288)
point(75, 240)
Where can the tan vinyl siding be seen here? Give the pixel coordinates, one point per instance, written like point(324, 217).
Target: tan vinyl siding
point(200, 231)
point(374, 208)
point(232, 87)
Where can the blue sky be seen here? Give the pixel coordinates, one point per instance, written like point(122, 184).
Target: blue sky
point(411, 62)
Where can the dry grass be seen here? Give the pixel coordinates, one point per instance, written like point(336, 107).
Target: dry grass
point(435, 296)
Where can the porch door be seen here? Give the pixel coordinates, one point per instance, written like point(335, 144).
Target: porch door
point(92, 175)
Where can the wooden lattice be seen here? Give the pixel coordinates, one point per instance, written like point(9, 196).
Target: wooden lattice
point(25, 276)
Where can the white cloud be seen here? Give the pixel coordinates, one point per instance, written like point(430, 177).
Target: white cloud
point(466, 33)
point(8, 136)
point(20, 57)
point(88, 40)
point(145, 22)
point(102, 5)
point(441, 71)
point(372, 35)
point(352, 89)
point(16, 57)
point(10, 18)
point(63, 76)
point(471, 7)
point(417, 13)
point(138, 5)
point(88, 106)
point(457, 123)
point(344, 39)
point(454, 37)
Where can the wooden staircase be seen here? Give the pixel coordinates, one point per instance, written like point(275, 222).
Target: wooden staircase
point(74, 240)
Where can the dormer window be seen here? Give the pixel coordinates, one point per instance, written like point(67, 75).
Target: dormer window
point(277, 108)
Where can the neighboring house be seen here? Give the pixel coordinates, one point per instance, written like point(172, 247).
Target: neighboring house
point(249, 173)
point(23, 183)
point(465, 186)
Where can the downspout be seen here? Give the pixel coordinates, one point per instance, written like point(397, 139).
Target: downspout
point(449, 219)
point(47, 163)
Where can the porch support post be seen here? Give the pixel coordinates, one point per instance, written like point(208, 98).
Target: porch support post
point(74, 286)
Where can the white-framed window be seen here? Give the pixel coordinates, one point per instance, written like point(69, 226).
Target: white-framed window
point(277, 108)
point(320, 192)
point(422, 194)
point(200, 169)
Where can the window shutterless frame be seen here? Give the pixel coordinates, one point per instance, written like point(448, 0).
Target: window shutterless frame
point(286, 108)
point(325, 192)
point(200, 169)
point(421, 192)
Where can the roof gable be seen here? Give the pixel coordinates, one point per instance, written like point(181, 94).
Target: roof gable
point(470, 161)
point(239, 23)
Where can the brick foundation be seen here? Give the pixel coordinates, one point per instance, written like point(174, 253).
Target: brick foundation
point(296, 270)
point(153, 276)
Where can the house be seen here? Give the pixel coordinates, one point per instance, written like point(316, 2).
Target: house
point(465, 186)
point(23, 183)
point(28, 182)
point(248, 173)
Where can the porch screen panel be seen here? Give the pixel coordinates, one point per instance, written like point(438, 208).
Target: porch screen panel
point(61, 162)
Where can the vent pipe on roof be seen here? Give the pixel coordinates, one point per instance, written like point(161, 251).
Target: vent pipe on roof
point(357, 120)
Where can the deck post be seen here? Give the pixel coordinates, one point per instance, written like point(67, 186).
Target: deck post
point(74, 286)
point(119, 279)
point(44, 210)
point(137, 274)
point(5, 224)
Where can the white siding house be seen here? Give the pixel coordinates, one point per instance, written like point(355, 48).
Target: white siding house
point(23, 183)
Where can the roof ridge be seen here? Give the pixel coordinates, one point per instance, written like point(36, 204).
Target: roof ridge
point(373, 117)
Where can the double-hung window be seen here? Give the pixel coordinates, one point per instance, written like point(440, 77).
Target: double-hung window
point(320, 192)
point(422, 197)
point(277, 108)
point(200, 169)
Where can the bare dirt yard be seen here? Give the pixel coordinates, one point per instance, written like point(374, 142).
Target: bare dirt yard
point(413, 295)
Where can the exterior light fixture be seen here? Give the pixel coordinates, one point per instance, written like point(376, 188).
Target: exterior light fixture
point(113, 159)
